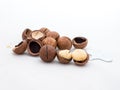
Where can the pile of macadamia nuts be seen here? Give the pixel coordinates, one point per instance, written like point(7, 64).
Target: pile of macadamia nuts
point(48, 44)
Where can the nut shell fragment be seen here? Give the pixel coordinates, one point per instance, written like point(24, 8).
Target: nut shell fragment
point(80, 42)
point(20, 48)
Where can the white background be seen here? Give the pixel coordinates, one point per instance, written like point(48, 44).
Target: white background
point(98, 20)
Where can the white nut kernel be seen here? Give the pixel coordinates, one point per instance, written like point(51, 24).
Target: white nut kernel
point(79, 55)
point(37, 34)
point(65, 54)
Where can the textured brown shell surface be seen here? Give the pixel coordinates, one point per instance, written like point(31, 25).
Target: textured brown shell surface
point(20, 48)
point(26, 34)
point(28, 47)
point(44, 30)
point(80, 45)
point(47, 53)
point(53, 34)
point(49, 41)
point(64, 43)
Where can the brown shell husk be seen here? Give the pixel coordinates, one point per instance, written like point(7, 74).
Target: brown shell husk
point(20, 48)
point(80, 45)
point(38, 42)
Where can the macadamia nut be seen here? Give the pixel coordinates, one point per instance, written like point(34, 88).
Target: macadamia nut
point(65, 54)
point(79, 55)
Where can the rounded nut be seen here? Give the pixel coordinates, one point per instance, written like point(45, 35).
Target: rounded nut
point(36, 34)
point(47, 53)
point(20, 48)
point(44, 30)
point(26, 34)
point(49, 41)
point(80, 57)
point(80, 42)
point(64, 43)
point(34, 47)
point(53, 34)
point(64, 56)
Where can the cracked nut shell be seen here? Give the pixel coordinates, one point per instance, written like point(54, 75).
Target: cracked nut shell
point(64, 56)
point(49, 41)
point(80, 57)
point(80, 42)
point(34, 47)
point(36, 34)
point(53, 34)
point(20, 48)
point(47, 53)
point(26, 34)
point(64, 43)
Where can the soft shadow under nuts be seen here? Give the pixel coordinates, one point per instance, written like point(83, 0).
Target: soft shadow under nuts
point(20, 48)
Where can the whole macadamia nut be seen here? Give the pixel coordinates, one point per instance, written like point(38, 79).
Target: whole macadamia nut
point(47, 53)
point(49, 41)
point(64, 43)
point(53, 34)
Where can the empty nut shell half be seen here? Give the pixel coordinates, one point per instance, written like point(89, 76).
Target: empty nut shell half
point(80, 42)
point(64, 43)
point(44, 30)
point(26, 34)
point(36, 34)
point(20, 48)
point(64, 56)
point(47, 53)
point(34, 47)
point(80, 57)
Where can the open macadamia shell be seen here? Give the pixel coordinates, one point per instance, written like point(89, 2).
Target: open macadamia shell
point(80, 57)
point(64, 56)
point(20, 48)
point(34, 47)
point(26, 34)
point(64, 43)
point(80, 42)
point(36, 34)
